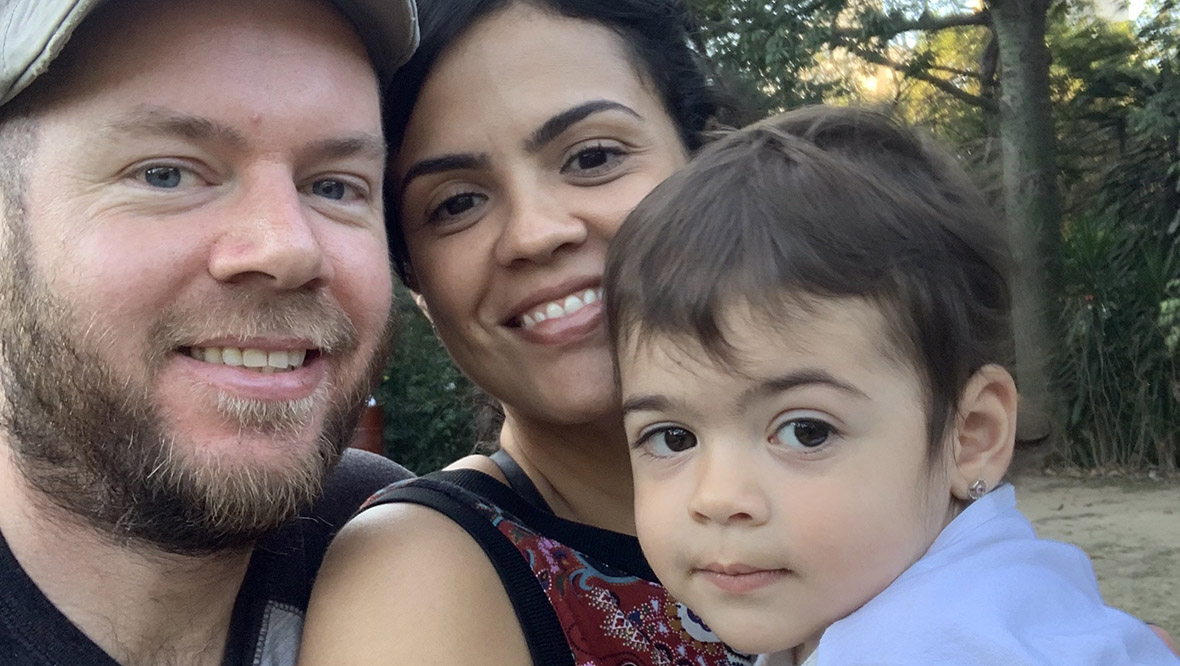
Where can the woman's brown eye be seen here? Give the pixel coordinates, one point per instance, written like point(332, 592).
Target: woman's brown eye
point(594, 160)
point(459, 204)
point(456, 206)
point(589, 159)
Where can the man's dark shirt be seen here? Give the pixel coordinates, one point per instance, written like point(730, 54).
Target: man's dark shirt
point(268, 614)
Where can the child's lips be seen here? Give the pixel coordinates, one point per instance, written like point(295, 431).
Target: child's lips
point(739, 578)
point(734, 569)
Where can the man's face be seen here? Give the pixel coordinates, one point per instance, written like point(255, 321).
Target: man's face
point(205, 197)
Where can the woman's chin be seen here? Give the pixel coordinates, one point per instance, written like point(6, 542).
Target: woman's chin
point(599, 410)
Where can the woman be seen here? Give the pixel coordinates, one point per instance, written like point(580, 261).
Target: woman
point(526, 132)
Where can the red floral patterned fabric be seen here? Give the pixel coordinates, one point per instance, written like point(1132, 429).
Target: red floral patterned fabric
point(611, 618)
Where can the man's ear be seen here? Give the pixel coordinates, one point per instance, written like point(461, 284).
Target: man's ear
point(421, 303)
point(985, 430)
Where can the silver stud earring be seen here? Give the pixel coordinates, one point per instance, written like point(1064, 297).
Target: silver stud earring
point(977, 489)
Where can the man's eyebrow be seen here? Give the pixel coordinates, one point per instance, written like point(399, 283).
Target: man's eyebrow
point(362, 144)
point(552, 128)
point(799, 378)
point(163, 122)
point(441, 164)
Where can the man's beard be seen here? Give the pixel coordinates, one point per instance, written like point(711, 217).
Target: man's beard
point(99, 447)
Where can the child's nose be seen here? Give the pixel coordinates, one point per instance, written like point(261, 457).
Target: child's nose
point(728, 490)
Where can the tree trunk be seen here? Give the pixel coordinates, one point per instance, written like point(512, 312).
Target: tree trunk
point(1031, 206)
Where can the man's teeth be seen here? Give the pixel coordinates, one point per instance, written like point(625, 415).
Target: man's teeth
point(253, 359)
point(559, 308)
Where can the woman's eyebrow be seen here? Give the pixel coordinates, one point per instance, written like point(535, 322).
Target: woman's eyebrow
point(552, 128)
point(547, 132)
point(441, 164)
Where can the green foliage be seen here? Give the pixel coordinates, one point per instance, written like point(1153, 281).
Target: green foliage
point(1169, 320)
point(1118, 132)
point(426, 401)
point(1156, 119)
point(763, 49)
point(1118, 368)
point(1095, 78)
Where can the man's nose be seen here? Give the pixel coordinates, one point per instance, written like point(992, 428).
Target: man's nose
point(272, 236)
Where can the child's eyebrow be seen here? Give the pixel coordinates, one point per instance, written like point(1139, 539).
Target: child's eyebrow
point(646, 403)
point(799, 378)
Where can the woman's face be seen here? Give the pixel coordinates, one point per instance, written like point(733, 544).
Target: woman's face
point(532, 139)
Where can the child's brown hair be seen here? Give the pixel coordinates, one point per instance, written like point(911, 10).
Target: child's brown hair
point(822, 202)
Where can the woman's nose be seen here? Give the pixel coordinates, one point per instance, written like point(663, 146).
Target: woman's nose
point(537, 227)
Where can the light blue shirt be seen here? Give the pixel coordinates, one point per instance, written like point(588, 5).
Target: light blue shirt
point(990, 593)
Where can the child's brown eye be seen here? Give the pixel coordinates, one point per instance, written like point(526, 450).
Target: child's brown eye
point(668, 441)
point(679, 439)
point(803, 433)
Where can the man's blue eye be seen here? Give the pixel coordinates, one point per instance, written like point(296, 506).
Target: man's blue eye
point(162, 177)
point(329, 189)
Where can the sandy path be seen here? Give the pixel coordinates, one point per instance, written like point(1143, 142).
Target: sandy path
point(1131, 530)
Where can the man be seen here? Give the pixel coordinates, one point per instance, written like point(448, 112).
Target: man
point(195, 297)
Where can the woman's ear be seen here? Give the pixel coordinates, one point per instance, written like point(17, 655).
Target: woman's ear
point(985, 432)
point(421, 303)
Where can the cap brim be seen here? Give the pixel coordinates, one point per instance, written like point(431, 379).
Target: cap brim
point(34, 32)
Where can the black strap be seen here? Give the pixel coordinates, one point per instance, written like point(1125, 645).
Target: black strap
point(613, 550)
point(519, 481)
point(538, 621)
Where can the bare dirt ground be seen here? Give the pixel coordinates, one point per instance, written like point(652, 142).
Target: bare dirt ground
point(1130, 529)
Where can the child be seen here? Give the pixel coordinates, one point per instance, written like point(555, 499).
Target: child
point(809, 324)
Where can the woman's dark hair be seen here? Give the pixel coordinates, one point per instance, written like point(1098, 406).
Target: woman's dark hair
point(821, 203)
point(654, 32)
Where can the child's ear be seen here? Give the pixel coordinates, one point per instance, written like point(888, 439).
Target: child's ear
point(421, 303)
point(985, 430)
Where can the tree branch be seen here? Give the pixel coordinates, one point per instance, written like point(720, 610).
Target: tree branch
point(953, 70)
point(925, 22)
point(988, 105)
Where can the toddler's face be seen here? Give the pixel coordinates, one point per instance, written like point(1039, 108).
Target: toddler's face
point(777, 496)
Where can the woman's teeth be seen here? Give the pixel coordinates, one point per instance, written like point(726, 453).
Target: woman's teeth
point(559, 308)
point(251, 359)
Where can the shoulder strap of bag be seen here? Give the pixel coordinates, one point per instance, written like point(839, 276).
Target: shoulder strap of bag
point(519, 481)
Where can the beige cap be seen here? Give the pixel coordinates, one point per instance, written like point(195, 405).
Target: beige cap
point(34, 32)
